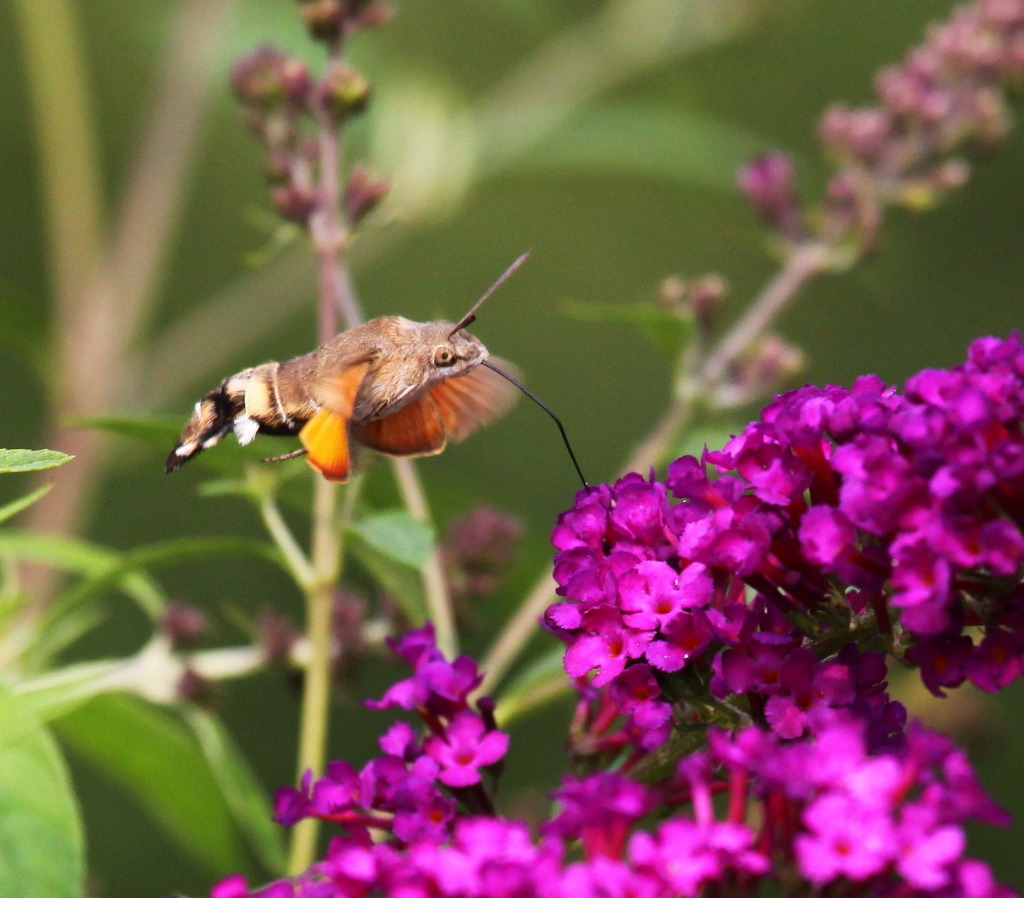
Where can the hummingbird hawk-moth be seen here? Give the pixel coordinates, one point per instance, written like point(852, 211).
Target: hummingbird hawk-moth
point(396, 386)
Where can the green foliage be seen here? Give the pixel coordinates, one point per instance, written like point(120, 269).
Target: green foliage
point(534, 686)
point(393, 547)
point(42, 849)
point(12, 508)
point(153, 757)
point(666, 329)
point(242, 792)
point(670, 145)
point(20, 461)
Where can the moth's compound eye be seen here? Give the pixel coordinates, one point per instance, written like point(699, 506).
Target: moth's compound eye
point(443, 357)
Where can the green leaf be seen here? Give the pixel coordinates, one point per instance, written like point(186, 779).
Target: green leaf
point(152, 756)
point(403, 583)
point(393, 547)
point(243, 793)
point(12, 508)
point(676, 144)
point(397, 535)
point(61, 552)
point(21, 460)
point(667, 330)
point(81, 557)
point(42, 849)
point(172, 551)
point(63, 620)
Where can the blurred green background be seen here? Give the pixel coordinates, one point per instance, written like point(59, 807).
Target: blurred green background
point(585, 131)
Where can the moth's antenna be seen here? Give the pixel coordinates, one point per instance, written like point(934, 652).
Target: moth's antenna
point(470, 316)
point(554, 417)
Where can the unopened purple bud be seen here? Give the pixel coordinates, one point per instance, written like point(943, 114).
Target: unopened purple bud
point(768, 183)
point(855, 133)
point(962, 42)
point(258, 77)
point(349, 614)
point(342, 91)
point(766, 368)
point(295, 80)
point(278, 165)
point(914, 93)
point(183, 624)
point(700, 298)
point(195, 688)
point(277, 636)
point(373, 15)
point(671, 292)
point(294, 203)
point(363, 193)
point(324, 18)
point(479, 549)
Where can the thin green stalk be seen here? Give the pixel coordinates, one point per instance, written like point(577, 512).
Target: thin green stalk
point(435, 584)
point(327, 560)
point(300, 566)
point(316, 686)
point(329, 233)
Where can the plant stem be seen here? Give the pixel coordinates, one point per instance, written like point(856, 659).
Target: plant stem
point(329, 232)
point(316, 691)
point(799, 267)
point(439, 603)
point(300, 566)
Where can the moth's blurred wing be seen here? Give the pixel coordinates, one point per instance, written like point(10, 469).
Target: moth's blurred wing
point(467, 402)
point(415, 429)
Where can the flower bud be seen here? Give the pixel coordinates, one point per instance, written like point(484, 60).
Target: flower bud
point(195, 688)
point(768, 183)
point(343, 91)
point(478, 550)
point(324, 18)
point(277, 636)
point(373, 15)
point(700, 298)
point(769, 365)
point(855, 133)
point(183, 624)
point(258, 78)
point(363, 193)
point(295, 80)
point(294, 203)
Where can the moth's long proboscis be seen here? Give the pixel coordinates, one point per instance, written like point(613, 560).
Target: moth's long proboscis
point(554, 417)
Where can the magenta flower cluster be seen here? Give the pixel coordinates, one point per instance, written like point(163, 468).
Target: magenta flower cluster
point(832, 811)
point(403, 791)
point(841, 514)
